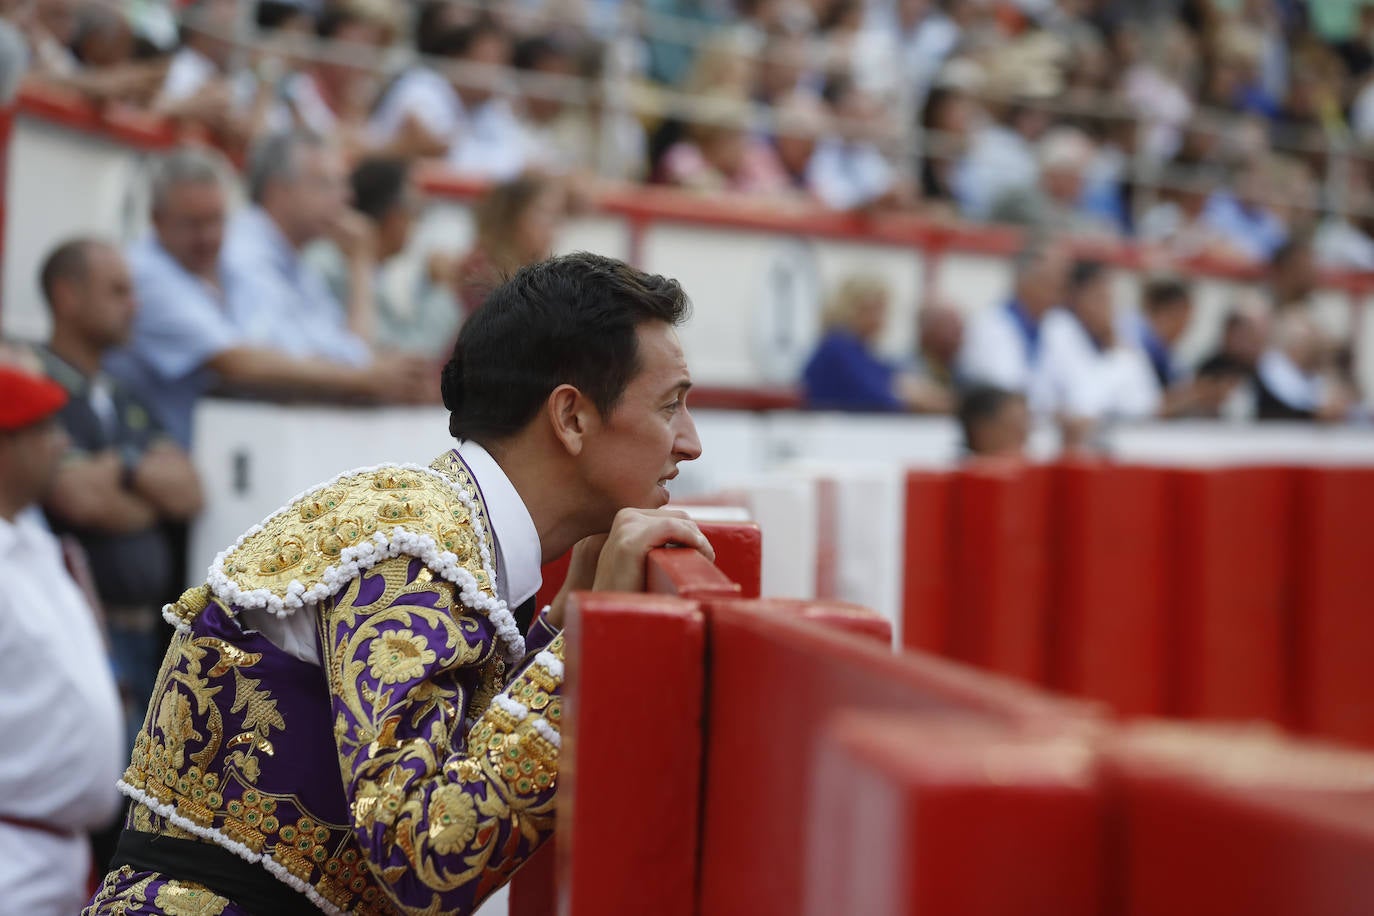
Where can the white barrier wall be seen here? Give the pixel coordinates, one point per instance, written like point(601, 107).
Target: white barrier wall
point(255, 457)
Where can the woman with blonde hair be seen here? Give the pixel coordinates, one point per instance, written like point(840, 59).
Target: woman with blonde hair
point(845, 372)
point(517, 223)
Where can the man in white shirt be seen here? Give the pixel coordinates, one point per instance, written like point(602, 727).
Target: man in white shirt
point(63, 744)
point(1002, 345)
point(1088, 373)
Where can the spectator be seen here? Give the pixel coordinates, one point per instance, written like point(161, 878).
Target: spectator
point(467, 114)
point(299, 193)
point(1167, 306)
point(845, 373)
point(199, 85)
point(1242, 218)
point(1294, 377)
point(185, 342)
point(63, 729)
point(1245, 336)
point(1178, 222)
point(1056, 202)
point(53, 28)
point(721, 154)
point(1293, 274)
point(1000, 157)
point(1002, 345)
point(122, 481)
point(517, 224)
point(848, 170)
point(995, 422)
point(423, 317)
point(801, 122)
point(1087, 373)
point(947, 124)
point(330, 97)
point(939, 337)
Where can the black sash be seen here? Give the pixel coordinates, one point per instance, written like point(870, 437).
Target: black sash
point(249, 886)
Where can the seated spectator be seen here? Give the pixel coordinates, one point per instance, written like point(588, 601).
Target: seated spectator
point(198, 85)
point(1058, 201)
point(849, 170)
point(298, 191)
point(122, 478)
point(1245, 336)
point(185, 342)
point(1002, 345)
point(939, 337)
point(466, 114)
point(801, 122)
point(1293, 274)
point(1241, 217)
point(1166, 313)
point(1088, 374)
point(64, 735)
point(1177, 221)
point(420, 317)
point(1294, 378)
point(517, 224)
point(329, 97)
point(721, 154)
point(57, 30)
point(995, 423)
point(846, 373)
point(1001, 156)
point(947, 124)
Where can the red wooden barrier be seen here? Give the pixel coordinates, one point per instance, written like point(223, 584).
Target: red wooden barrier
point(915, 816)
point(837, 615)
point(630, 765)
point(1109, 629)
point(1002, 567)
point(1221, 823)
point(927, 586)
point(1232, 558)
point(1335, 598)
point(771, 683)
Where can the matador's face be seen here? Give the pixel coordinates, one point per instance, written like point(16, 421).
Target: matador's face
point(637, 447)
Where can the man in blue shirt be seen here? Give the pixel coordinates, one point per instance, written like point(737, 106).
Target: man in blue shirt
point(187, 339)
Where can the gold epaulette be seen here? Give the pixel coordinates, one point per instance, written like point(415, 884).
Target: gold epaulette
point(310, 549)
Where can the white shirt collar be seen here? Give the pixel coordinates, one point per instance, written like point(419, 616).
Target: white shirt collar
point(517, 540)
point(1288, 383)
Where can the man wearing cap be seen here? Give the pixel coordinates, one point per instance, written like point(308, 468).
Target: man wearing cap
point(63, 732)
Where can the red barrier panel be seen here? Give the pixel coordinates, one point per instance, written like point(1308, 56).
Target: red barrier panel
point(912, 816)
point(739, 560)
point(1109, 620)
point(927, 578)
point(1002, 567)
point(1218, 822)
point(1232, 558)
point(772, 682)
point(630, 766)
point(837, 615)
point(1335, 598)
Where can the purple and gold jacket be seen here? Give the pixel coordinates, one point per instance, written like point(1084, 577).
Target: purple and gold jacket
point(412, 770)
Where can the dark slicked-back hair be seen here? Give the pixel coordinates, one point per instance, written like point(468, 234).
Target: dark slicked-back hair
point(980, 405)
point(568, 320)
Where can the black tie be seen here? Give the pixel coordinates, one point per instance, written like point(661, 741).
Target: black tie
point(524, 614)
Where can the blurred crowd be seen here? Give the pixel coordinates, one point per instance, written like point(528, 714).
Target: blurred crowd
point(1219, 127)
point(1065, 349)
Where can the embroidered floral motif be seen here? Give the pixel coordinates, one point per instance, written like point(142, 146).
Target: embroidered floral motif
point(399, 655)
point(452, 819)
point(179, 899)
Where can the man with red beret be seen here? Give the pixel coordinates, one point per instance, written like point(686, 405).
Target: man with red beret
point(61, 721)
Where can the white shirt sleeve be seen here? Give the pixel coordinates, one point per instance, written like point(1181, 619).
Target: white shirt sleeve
point(61, 719)
point(420, 93)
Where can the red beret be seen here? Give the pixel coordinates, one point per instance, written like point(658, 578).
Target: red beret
point(25, 399)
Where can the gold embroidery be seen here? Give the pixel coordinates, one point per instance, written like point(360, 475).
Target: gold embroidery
point(452, 819)
point(399, 655)
point(177, 898)
point(299, 544)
